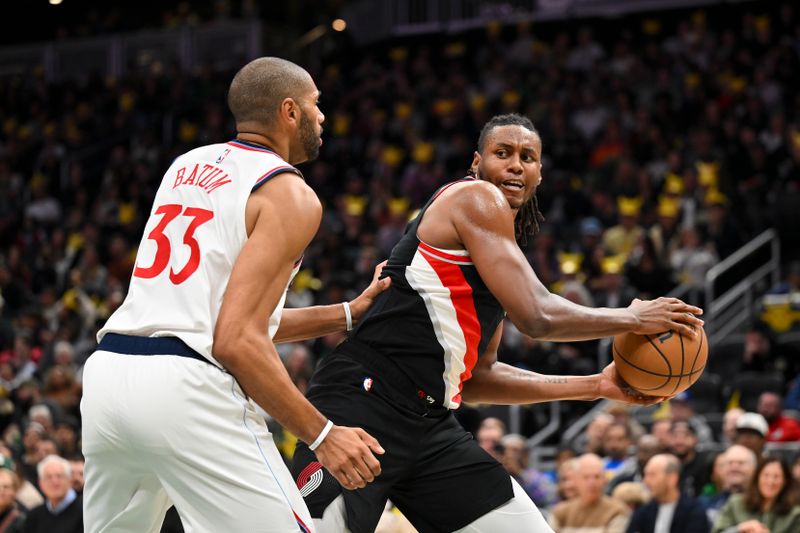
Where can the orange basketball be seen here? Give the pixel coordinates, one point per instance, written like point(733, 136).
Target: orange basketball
point(660, 365)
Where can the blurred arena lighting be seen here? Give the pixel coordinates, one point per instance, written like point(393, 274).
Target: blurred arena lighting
point(311, 35)
point(55, 2)
point(339, 25)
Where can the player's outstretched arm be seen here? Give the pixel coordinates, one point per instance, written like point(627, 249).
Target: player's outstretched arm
point(303, 323)
point(485, 226)
point(282, 218)
point(498, 383)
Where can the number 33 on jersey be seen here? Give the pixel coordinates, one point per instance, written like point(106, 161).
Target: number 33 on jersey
point(191, 241)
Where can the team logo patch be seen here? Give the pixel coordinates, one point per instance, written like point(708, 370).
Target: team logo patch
point(367, 384)
point(310, 478)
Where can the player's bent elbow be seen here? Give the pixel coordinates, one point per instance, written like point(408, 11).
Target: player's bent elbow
point(536, 325)
point(227, 347)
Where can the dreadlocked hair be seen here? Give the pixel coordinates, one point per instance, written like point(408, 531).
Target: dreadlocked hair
point(529, 217)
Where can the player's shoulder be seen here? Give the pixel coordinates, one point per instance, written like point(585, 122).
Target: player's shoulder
point(476, 197)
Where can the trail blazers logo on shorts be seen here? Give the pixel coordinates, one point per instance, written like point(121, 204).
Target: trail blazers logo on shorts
point(367, 384)
point(310, 479)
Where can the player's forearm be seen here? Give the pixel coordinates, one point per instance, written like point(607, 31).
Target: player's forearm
point(561, 320)
point(257, 367)
point(299, 324)
point(504, 384)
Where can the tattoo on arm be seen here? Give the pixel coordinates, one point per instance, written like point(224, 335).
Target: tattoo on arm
point(549, 379)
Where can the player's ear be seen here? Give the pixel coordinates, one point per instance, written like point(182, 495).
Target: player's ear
point(289, 110)
point(476, 159)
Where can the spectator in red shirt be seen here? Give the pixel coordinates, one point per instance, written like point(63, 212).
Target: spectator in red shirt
point(781, 428)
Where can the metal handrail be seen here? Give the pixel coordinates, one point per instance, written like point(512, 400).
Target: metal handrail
point(715, 305)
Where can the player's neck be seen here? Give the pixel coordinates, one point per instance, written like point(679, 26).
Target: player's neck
point(282, 149)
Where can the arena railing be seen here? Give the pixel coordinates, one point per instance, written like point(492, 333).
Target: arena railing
point(726, 312)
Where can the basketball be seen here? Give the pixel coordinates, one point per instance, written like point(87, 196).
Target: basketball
point(660, 365)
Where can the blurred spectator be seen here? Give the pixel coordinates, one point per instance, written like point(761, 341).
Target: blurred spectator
point(661, 430)
point(768, 506)
point(791, 282)
point(489, 434)
point(681, 410)
point(77, 464)
point(62, 511)
point(761, 354)
point(617, 443)
point(645, 271)
point(738, 465)
point(781, 428)
point(729, 424)
point(632, 493)
point(567, 479)
point(694, 472)
point(693, 259)
point(796, 469)
point(669, 510)
point(590, 511)
point(633, 470)
point(751, 432)
point(515, 460)
point(12, 518)
point(716, 476)
point(593, 438)
point(622, 238)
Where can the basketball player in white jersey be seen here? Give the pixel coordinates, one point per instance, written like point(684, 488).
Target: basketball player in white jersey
point(169, 396)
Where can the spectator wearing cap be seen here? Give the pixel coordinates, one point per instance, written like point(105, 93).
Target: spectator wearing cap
point(590, 511)
point(694, 471)
point(751, 432)
point(62, 511)
point(781, 428)
point(737, 467)
point(729, 420)
point(669, 511)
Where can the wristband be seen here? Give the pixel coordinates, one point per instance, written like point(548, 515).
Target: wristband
point(321, 437)
point(347, 315)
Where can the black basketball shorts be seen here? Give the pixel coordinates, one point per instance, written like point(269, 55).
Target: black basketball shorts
point(433, 470)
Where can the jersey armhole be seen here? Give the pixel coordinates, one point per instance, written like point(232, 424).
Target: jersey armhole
point(274, 172)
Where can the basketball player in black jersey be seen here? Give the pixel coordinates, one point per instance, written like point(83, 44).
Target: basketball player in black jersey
point(430, 341)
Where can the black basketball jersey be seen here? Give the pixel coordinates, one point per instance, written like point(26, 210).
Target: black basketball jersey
point(436, 318)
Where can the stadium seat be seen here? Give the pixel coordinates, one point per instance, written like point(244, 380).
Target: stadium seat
point(750, 385)
point(706, 394)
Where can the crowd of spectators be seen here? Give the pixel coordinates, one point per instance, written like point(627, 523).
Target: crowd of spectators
point(666, 147)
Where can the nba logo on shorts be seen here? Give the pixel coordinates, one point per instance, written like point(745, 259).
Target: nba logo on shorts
point(367, 384)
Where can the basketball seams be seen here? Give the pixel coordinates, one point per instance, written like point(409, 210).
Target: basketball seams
point(697, 354)
point(664, 357)
point(683, 362)
point(687, 373)
point(652, 373)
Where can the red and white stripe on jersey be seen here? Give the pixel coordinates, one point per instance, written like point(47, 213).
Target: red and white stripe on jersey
point(436, 275)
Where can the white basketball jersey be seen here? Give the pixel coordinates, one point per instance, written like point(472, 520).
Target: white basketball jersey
point(190, 244)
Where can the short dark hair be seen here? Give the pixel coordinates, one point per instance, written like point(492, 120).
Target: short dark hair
point(510, 119)
point(261, 85)
point(529, 216)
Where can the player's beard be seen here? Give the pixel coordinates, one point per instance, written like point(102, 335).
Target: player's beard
point(309, 138)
